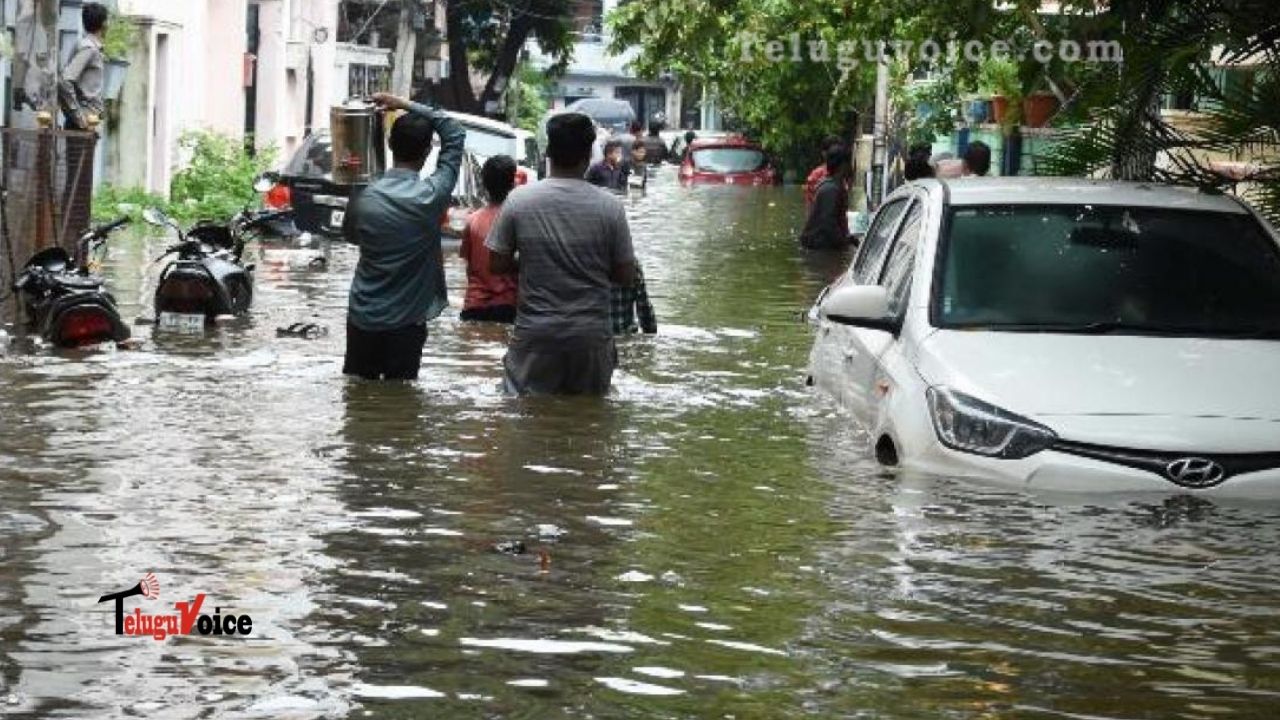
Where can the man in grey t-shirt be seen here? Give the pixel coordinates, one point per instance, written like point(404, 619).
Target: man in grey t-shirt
point(573, 245)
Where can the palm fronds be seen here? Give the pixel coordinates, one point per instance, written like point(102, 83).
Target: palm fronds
point(1183, 48)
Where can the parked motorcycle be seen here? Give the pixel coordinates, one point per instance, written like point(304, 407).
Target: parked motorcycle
point(277, 196)
point(208, 277)
point(65, 302)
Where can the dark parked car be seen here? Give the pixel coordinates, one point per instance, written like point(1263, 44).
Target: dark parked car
point(320, 205)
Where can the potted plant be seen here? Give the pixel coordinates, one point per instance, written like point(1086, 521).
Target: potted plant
point(122, 33)
point(1038, 107)
point(999, 77)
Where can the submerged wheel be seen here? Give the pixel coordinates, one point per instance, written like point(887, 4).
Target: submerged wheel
point(886, 451)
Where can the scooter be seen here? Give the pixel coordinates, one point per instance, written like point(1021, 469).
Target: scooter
point(66, 303)
point(208, 278)
point(277, 196)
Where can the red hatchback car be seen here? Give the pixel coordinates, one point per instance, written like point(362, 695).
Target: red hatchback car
point(732, 160)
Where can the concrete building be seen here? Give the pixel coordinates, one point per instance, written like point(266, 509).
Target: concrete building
point(594, 73)
point(263, 69)
point(189, 69)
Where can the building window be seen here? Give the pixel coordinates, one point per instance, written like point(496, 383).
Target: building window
point(365, 80)
point(588, 20)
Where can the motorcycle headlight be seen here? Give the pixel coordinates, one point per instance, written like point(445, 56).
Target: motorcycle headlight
point(970, 425)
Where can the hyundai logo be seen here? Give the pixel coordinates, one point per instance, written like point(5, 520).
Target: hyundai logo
point(1194, 472)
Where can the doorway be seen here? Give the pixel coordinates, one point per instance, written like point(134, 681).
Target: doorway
point(646, 101)
point(160, 120)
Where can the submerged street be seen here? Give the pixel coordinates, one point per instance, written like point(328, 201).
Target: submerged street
point(710, 541)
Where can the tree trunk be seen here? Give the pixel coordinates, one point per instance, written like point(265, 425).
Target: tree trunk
point(35, 65)
point(463, 97)
point(1138, 134)
point(405, 52)
point(505, 66)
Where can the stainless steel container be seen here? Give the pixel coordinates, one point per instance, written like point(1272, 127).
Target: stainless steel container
point(359, 153)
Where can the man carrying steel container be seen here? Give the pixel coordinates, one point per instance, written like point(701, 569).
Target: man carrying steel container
point(399, 281)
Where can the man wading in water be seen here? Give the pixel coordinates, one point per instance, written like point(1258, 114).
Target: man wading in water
point(574, 245)
point(399, 281)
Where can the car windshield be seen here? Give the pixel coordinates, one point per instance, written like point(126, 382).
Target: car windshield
point(486, 144)
point(728, 160)
point(1095, 269)
point(313, 159)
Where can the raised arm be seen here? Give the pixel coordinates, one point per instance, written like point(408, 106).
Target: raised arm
point(452, 139)
point(501, 242)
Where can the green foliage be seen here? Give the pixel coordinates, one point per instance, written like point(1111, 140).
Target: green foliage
point(1169, 48)
point(110, 202)
point(218, 180)
point(216, 184)
point(529, 102)
point(490, 35)
point(789, 106)
point(122, 35)
point(999, 76)
point(931, 108)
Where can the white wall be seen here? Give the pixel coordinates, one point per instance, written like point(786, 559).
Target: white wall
point(206, 43)
point(207, 46)
point(301, 30)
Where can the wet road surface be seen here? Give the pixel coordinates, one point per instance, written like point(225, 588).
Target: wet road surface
point(709, 542)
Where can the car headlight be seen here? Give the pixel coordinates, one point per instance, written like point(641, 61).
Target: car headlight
point(970, 425)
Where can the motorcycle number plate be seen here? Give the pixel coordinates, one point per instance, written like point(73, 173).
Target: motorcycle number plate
point(182, 322)
point(335, 220)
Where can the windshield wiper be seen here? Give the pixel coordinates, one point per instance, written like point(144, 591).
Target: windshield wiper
point(1120, 328)
point(1094, 328)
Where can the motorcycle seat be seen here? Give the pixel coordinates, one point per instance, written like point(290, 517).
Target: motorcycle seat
point(80, 282)
point(53, 260)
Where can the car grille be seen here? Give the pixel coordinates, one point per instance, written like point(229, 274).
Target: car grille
point(1187, 469)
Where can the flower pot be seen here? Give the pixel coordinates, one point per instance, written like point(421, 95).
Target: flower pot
point(980, 111)
point(113, 79)
point(1037, 108)
point(999, 107)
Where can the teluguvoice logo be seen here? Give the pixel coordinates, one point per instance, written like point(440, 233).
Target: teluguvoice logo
point(187, 619)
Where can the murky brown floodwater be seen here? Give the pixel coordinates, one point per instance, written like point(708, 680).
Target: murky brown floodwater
point(718, 545)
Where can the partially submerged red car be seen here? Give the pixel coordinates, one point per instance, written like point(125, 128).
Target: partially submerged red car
point(731, 160)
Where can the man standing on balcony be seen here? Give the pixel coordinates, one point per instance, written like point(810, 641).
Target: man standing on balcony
point(87, 69)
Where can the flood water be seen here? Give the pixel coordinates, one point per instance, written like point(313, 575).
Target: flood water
point(711, 541)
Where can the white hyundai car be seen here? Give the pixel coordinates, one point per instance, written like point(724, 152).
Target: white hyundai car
point(1062, 334)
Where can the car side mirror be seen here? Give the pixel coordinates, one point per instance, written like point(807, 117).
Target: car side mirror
point(864, 306)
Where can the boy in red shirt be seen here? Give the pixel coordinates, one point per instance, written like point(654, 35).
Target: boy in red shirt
point(818, 174)
point(490, 297)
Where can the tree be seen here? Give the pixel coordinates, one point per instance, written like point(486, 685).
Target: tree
point(489, 36)
point(789, 104)
point(528, 103)
point(1110, 112)
point(1180, 47)
point(406, 49)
